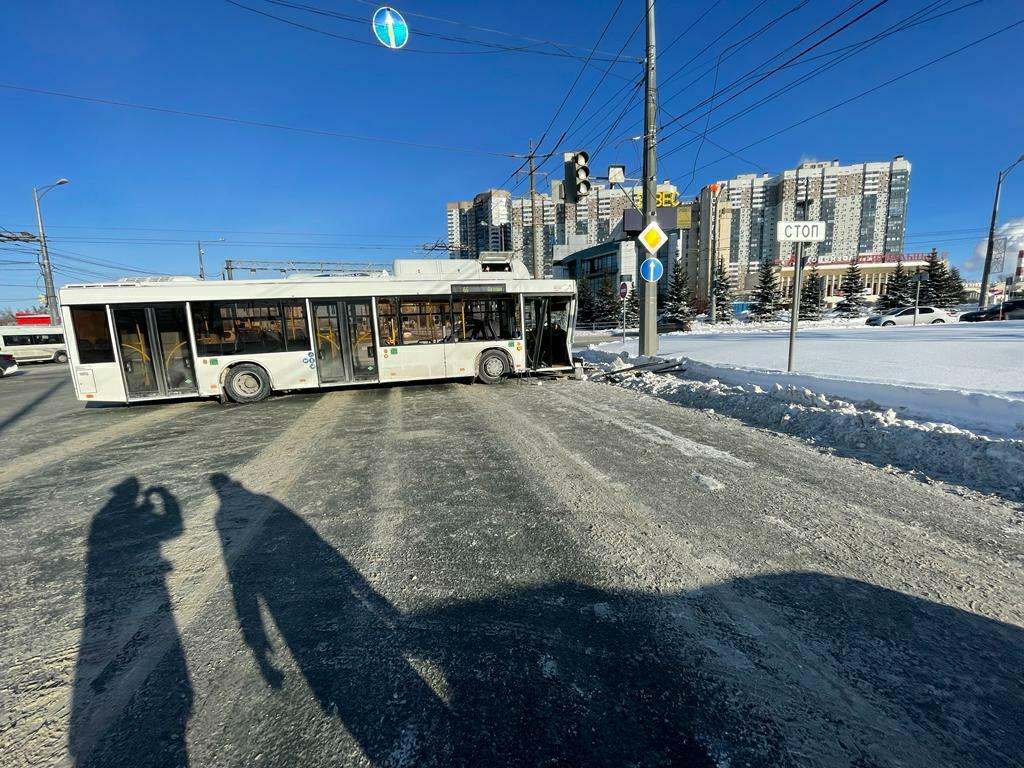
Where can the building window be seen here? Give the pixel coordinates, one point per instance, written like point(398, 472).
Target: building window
point(92, 335)
point(867, 224)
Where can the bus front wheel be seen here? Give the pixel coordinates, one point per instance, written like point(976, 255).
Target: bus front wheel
point(60, 357)
point(493, 367)
point(247, 383)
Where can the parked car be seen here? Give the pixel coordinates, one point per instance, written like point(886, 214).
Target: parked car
point(8, 365)
point(1008, 310)
point(905, 316)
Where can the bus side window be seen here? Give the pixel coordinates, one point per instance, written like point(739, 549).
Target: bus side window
point(92, 335)
point(387, 322)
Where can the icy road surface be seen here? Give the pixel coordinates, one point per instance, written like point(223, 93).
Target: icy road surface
point(443, 575)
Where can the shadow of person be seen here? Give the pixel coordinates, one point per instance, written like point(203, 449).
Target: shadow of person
point(344, 638)
point(128, 626)
point(564, 674)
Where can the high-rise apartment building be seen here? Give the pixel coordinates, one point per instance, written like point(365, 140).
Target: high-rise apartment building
point(494, 220)
point(864, 207)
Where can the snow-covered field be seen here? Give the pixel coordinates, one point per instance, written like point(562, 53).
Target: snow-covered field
point(967, 374)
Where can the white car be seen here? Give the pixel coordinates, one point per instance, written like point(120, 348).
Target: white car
point(905, 316)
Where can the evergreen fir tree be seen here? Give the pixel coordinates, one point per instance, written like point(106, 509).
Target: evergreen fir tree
point(956, 288)
point(677, 303)
point(722, 289)
point(937, 291)
point(633, 308)
point(852, 288)
point(607, 305)
point(766, 299)
point(898, 291)
point(584, 302)
point(810, 296)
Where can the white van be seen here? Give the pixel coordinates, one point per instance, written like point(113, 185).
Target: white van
point(34, 343)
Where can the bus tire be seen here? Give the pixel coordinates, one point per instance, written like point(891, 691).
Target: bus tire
point(493, 366)
point(60, 357)
point(247, 383)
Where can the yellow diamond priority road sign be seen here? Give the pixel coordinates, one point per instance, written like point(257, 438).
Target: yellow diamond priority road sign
point(653, 237)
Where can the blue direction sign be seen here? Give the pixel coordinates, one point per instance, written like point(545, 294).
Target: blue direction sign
point(651, 270)
point(390, 28)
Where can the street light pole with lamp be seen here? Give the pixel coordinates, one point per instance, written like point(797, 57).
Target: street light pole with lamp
point(986, 272)
point(44, 254)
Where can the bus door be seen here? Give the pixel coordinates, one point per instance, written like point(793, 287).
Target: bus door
point(345, 347)
point(546, 320)
point(155, 353)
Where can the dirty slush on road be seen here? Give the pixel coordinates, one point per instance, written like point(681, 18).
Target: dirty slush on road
point(522, 575)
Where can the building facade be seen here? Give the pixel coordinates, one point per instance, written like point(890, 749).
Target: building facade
point(496, 221)
point(864, 207)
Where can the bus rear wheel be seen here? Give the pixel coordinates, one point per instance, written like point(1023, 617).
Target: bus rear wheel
point(493, 367)
point(247, 383)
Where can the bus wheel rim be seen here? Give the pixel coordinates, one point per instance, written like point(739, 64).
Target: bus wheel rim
point(493, 366)
point(247, 384)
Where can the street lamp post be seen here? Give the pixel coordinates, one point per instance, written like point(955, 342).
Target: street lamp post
point(44, 254)
point(986, 272)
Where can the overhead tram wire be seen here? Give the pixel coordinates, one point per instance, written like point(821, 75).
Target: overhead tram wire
point(878, 87)
point(846, 25)
point(682, 34)
point(565, 98)
point(487, 47)
point(847, 52)
point(736, 47)
point(826, 54)
point(505, 33)
point(252, 123)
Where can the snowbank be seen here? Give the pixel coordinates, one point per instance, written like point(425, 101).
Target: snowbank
point(941, 451)
point(970, 375)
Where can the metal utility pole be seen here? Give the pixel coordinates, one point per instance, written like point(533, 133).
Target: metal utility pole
point(649, 296)
point(199, 251)
point(228, 268)
point(986, 272)
point(538, 260)
point(44, 254)
point(712, 261)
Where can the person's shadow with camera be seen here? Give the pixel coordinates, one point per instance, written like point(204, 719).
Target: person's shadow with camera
point(126, 577)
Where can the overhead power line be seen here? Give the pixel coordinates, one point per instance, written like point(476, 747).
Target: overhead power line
point(252, 123)
point(868, 91)
point(488, 47)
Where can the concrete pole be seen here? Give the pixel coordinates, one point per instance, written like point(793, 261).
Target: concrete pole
point(987, 270)
point(44, 263)
point(538, 260)
point(199, 251)
point(649, 297)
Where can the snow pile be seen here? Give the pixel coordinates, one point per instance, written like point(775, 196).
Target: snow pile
point(941, 451)
point(964, 374)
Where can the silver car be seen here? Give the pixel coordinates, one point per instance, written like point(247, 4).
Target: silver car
point(905, 316)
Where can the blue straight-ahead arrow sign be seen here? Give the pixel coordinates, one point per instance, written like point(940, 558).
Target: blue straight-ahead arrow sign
point(651, 270)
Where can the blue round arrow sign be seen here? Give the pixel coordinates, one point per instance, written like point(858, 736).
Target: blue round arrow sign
point(390, 28)
point(651, 270)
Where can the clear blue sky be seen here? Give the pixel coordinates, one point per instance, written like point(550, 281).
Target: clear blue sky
point(138, 174)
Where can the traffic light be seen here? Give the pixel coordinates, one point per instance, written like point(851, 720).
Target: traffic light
point(577, 175)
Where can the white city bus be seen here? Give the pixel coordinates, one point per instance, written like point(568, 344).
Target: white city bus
point(158, 338)
point(34, 343)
